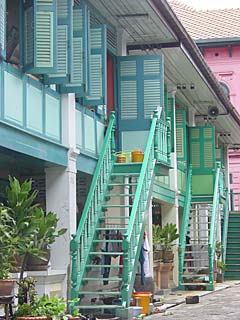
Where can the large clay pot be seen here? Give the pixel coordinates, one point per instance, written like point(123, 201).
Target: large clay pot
point(6, 287)
point(168, 256)
point(37, 264)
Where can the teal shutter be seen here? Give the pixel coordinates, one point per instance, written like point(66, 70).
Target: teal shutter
point(203, 159)
point(140, 90)
point(3, 29)
point(202, 152)
point(98, 67)
point(170, 114)
point(79, 52)
point(64, 43)
point(39, 36)
point(181, 135)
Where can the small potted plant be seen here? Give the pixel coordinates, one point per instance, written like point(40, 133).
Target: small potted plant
point(221, 266)
point(156, 239)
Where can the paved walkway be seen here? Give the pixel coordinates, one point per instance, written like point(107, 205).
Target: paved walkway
point(224, 303)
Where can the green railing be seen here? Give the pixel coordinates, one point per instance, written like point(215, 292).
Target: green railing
point(82, 241)
point(225, 227)
point(132, 241)
point(213, 227)
point(162, 142)
point(184, 228)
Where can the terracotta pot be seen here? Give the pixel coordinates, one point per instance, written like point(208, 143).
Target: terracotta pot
point(6, 287)
point(37, 264)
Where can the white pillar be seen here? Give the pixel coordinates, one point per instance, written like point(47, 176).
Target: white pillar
point(148, 229)
point(121, 42)
point(61, 191)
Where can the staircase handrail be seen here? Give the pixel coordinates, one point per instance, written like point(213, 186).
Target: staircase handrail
point(225, 227)
point(132, 238)
point(213, 225)
point(185, 219)
point(81, 243)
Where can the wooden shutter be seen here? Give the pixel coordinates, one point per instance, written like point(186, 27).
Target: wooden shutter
point(170, 114)
point(39, 27)
point(79, 52)
point(3, 29)
point(202, 148)
point(181, 135)
point(98, 67)
point(64, 43)
point(140, 90)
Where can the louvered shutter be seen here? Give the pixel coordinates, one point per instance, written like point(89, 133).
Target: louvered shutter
point(181, 135)
point(202, 158)
point(98, 67)
point(140, 90)
point(170, 114)
point(3, 29)
point(39, 36)
point(64, 43)
point(79, 52)
point(202, 148)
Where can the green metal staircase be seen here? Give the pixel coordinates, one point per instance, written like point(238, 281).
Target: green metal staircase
point(112, 223)
point(198, 238)
point(232, 261)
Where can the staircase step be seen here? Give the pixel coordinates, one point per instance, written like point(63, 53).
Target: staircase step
point(197, 268)
point(100, 306)
point(105, 253)
point(114, 293)
point(203, 259)
point(107, 241)
point(121, 184)
point(195, 275)
point(194, 283)
point(113, 217)
point(120, 195)
point(103, 266)
point(106, 206)
point(102, 279)
point(111, 229)
point(125, 174)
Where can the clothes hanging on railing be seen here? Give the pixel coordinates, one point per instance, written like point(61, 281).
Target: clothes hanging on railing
point(144, 259)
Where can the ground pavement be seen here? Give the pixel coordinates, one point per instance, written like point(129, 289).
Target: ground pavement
point(221, 304)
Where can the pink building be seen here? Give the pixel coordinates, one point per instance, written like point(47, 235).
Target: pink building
point(217, 34)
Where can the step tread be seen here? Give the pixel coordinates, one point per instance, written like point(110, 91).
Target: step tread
point(117, 174)
point(107, 241)
point(105, 253)
point(195, 275)
point(122, 184)
point(111, 228)
point(104, 266)
point(113, 217)
point(117, 205)
point(103, 279)
point(120, 195)
point(194, 283)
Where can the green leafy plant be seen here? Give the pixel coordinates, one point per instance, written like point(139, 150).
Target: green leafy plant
point(168, 236)
point(221, 266)
point(54, 307)
point(156, 235)
point(8, 243)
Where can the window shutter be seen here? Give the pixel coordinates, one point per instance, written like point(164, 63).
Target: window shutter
point(202, 148)
point(64, 38)
point(39, 36)
point(181, 135)
point(79, 54)
point(98, 67)
point(170, 114)
point(140, 90)
point(3, 29)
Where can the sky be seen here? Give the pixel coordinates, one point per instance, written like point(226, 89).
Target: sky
point(212, 4)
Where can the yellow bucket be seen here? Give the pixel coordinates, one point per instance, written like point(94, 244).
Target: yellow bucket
point(123, 156)
point(137, 156)
point(144, 299)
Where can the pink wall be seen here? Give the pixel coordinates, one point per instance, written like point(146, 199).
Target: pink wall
point(227, 70)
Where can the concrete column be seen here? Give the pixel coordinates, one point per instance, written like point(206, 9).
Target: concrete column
point(61, 191)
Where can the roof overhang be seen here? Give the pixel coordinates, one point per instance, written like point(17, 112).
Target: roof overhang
point(153, 28)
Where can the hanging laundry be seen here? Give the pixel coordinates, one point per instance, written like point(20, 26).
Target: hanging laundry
point(144, 259)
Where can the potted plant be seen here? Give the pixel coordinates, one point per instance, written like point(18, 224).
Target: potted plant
point(156, 239)
point(221, 266)
point(31, 306)
point(8, 242)
point(168, 236)
point(43, 239)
